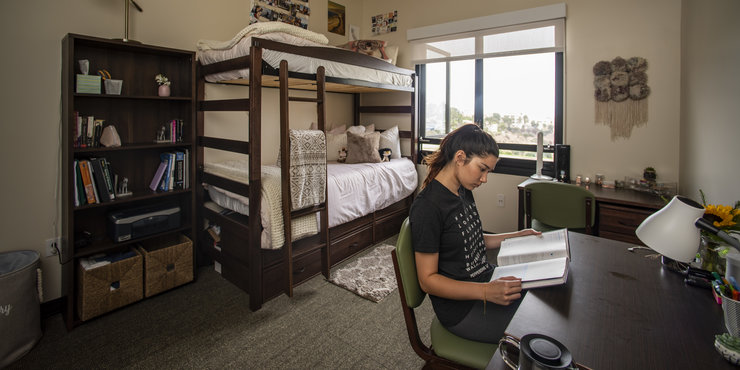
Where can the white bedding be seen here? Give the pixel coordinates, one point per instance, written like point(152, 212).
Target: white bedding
point(354, 190)
point(296, 63)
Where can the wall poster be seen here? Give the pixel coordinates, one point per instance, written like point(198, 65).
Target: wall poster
point(295, 12)
point(384, 23)
point(336, 18)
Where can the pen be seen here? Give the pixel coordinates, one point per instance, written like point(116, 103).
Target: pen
point(734, 282)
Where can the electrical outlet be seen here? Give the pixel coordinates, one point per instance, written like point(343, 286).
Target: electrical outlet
point(52, 245)
point(500, 200)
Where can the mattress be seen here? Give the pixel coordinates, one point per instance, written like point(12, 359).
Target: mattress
point(296, 63)
point(354, 190)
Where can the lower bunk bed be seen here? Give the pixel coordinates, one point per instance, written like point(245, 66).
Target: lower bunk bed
point(367, 204)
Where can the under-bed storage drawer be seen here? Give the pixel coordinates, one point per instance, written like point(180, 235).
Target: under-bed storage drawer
point(390, 225)
point(275, 278)
point(351, 243)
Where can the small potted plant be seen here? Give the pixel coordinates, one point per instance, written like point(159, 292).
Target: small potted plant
point(164, 85)
point(649, 174)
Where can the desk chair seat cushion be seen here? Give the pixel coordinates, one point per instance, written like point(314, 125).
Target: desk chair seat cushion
point(460, 350)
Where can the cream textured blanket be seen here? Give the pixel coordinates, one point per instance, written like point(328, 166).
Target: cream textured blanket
point(260, 28)
point(307, 168)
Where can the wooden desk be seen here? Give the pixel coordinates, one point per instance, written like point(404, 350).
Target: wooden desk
point(621, 310)
point(618, 211)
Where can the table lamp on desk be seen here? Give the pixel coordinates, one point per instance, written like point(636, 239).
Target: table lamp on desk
point(669, 232)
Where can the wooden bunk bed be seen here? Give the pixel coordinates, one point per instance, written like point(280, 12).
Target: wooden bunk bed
point(265, 273)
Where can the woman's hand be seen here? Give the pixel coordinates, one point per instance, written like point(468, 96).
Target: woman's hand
point(503, 290)
point(526, 232)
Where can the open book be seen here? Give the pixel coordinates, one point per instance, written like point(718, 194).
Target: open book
point(539, 260)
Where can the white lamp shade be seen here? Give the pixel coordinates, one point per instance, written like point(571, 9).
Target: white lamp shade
point(671, 231)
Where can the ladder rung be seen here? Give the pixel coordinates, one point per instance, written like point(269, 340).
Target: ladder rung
point(308, 211)
point(308, 100)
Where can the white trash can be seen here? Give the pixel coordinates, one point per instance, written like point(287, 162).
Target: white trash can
point(20, 316)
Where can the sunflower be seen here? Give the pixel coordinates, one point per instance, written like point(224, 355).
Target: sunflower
point(721, 216)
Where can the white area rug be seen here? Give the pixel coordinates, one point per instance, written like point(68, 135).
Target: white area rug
point(370, 276)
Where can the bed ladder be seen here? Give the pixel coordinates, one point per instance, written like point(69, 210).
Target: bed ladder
point(288, 213)
point(252, 148)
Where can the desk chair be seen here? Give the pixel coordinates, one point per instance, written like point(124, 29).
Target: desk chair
point(552, 205)
point(447, 349)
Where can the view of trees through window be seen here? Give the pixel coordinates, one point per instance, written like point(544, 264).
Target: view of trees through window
point(518, 99)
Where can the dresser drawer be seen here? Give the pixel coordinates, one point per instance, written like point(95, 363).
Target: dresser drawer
point(620, 222)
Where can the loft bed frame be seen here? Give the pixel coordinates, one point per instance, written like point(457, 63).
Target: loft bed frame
point(264, 273)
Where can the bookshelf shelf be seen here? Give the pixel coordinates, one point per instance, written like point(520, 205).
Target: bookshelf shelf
point(132, 147)
point(138, 115)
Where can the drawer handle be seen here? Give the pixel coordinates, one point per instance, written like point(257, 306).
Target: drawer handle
point(625, 223)
point(300, 271)
point(354, 245)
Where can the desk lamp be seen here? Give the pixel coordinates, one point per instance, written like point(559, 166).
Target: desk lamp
point(670, 233)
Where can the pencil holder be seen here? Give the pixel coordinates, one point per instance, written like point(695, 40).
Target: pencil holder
point(731, 309)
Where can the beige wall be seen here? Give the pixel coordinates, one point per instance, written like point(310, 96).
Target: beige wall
point(596, 29)
point(710, 102)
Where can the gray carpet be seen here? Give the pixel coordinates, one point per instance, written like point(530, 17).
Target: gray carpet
point(207, 325)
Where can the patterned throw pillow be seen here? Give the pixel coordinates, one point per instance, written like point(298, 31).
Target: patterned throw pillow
point(363, 148)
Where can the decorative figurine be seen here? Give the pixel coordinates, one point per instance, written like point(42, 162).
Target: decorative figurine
point(342, 155)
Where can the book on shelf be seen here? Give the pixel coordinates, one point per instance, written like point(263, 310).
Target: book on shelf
point(539, 260)
point(186, 169)
point(108, 174)
point(99, 181)
point(157, 179)
point(179, 181)
point(171, 171)
point(77, 183)
point(87, 181)
point(165, 184)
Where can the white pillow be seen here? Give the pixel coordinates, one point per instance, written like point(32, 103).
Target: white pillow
point(335, 143)
point(357, 130)
point(390, 139)
point(337, 130)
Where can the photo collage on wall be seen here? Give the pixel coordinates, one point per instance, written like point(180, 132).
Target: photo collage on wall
point(384, 23)
point(295, 12)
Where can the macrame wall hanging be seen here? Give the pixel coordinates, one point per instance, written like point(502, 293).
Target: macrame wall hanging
point(621, 94)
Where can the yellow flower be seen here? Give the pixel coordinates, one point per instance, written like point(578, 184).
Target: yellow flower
point(724, 215)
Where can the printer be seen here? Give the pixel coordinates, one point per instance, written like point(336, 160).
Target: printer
point(133, 223)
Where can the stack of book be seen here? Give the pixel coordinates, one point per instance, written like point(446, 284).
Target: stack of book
point(87, 131)
point(171, 132)
point(94, 182)
point(173, 172)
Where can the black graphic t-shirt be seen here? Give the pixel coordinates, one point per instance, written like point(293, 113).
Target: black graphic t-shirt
point(448, 224)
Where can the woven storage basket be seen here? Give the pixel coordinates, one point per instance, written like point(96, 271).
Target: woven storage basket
point(168, 262)
point(95, 287)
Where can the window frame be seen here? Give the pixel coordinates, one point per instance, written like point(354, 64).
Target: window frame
point(512, 166)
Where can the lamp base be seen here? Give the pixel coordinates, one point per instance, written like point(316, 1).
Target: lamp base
point(128, 41)
point(673, 265)
point(541, 177)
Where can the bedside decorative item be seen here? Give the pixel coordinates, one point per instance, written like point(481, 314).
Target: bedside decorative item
point(649, 174)
point(164, 85)
point(713, 249)
point(110, 137)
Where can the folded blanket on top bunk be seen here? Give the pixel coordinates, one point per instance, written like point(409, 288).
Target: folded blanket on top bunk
point(355, 190)
point(261, 28)
point(215, 51)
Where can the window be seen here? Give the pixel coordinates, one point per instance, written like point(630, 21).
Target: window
point(508, 80)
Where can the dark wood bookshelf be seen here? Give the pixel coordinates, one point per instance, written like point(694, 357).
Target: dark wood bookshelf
point(137, 113)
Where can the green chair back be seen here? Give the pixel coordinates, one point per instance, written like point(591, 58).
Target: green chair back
point(559, 205)
point(447, 350)
point(407, 267)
